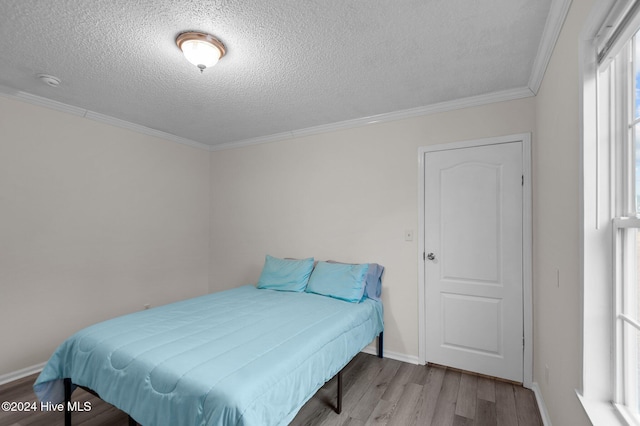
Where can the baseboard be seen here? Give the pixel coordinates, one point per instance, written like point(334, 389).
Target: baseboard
point(546, 421)
point(373, 350)
point(19, 374)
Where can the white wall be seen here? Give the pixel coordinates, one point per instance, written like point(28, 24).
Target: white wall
point(556, 157)
point(95, 221)
point(346, 195)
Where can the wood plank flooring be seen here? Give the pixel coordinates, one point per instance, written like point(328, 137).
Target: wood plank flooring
point(375, 392)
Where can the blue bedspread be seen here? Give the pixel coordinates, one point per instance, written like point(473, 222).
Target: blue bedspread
point(239, 357)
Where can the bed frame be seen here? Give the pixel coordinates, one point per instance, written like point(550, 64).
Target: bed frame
point(132, 422)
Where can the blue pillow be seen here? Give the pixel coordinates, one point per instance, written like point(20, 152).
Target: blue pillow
point(285, 274)
point(373, 286)
point(338, 280)
point(373, 280)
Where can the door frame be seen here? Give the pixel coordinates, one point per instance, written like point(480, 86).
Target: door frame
point(527, 244)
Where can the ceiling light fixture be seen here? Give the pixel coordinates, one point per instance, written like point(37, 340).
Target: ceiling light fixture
point(202, 50)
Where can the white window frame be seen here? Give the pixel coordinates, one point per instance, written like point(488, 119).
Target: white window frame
point(605, 221)
point(621, 137)
point(625, 385)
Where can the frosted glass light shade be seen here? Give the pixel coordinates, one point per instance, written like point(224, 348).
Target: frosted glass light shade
point(200, 54)
point(202, 50)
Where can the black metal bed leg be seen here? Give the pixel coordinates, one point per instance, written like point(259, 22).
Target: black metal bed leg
point(339, 405)
point(380, 345)
point(67, 401)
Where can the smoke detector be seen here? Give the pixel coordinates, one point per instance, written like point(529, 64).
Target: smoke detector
point(49, 80)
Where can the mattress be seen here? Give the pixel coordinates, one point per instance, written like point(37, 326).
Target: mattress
point(244, 356)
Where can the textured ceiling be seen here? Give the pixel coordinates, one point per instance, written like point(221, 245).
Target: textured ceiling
point(290, 64)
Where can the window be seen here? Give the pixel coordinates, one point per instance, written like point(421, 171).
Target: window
point(610, 213)
point(619, 118)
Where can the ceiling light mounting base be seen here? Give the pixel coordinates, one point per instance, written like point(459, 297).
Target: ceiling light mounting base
point(201, 49)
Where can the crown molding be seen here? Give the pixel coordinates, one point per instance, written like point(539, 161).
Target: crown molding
point(144, 130)
point(40, 101)
point(472, 101)
point(552, 27)
point(252, 141)
point(95, 116)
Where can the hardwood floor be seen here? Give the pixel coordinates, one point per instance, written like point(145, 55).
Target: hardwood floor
point(376, 392)
point(388, 392)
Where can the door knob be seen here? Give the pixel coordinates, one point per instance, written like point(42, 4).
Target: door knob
point(431, 256)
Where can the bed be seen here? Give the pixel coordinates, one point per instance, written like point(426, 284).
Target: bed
point(252, 355)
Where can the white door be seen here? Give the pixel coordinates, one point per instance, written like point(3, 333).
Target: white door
point(473, 259)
